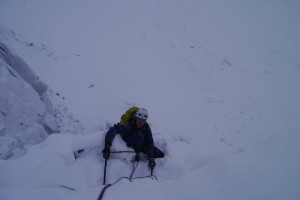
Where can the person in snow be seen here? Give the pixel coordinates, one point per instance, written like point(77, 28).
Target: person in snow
point(137, 134)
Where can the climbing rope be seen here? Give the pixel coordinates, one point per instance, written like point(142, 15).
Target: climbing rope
point(130, 178)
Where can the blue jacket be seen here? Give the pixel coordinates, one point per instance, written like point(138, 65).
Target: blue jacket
point(140, 139)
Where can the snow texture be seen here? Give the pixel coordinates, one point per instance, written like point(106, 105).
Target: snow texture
point(220, 80)
point(27, 113)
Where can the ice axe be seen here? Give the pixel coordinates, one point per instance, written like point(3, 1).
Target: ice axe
point(104, 176)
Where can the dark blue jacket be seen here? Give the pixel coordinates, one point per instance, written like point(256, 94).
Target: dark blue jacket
point(140, 139)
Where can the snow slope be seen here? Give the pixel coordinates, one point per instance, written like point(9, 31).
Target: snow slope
point(219, 78)
point(264, 173)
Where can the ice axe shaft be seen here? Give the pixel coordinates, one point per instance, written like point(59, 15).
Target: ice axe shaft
point(104, 176)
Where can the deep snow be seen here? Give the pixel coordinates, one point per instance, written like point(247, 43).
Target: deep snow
point(219, 78)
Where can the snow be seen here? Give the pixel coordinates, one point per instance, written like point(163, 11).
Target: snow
point(27, 113)
point(20, 111)
point(220, 80)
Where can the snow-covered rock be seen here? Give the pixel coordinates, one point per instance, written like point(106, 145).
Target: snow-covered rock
point(27, 115)
point(21, 111)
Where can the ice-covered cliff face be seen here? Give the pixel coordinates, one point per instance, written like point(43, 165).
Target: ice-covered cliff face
point(21, 113)
point(27, 115)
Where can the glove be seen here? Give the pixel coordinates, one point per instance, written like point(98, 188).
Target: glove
point(106, 152)
point(151, 163)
